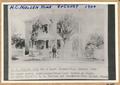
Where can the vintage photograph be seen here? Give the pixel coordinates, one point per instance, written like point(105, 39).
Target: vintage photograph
point(58, 43)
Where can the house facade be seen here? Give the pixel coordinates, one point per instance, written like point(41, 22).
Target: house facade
point(42, 36)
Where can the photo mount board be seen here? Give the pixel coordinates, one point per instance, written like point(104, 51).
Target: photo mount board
point(111, 49)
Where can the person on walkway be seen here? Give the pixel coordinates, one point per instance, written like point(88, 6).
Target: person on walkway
point(54, 50)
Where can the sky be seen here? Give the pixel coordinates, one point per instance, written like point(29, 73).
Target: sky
point(89, 19)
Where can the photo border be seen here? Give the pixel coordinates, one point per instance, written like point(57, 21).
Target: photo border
point(76, 81)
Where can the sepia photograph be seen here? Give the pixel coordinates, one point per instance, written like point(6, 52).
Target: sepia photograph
point(58, 34)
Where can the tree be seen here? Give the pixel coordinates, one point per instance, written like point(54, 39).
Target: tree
point(95, 41)
point(66, 26)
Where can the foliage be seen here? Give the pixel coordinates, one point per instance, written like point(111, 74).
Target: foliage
point(95, 41)
point(18, 41)
point(66, 27)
